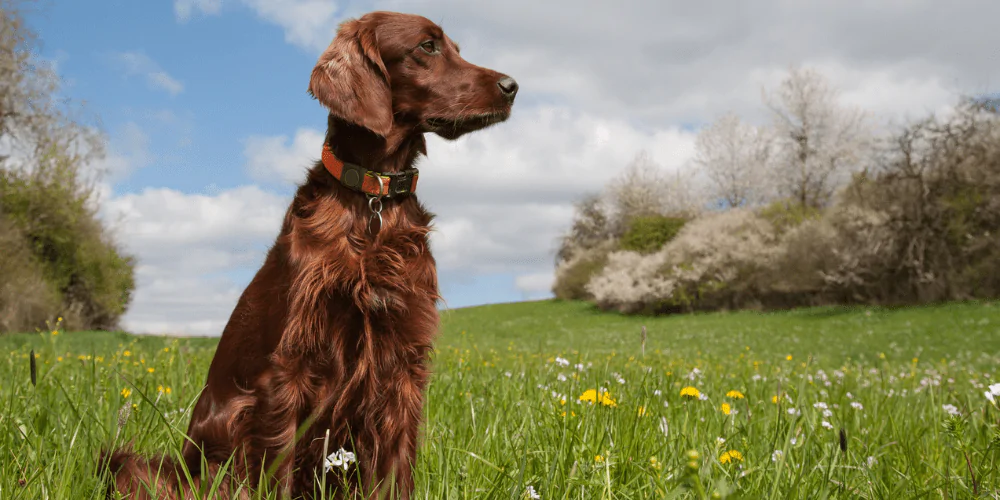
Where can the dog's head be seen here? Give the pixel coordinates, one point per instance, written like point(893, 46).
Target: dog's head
point(387, 70)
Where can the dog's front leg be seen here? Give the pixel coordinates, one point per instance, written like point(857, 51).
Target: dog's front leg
point(401, 422)
point(278, 424)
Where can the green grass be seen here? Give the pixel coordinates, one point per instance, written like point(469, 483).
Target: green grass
point(496, 422)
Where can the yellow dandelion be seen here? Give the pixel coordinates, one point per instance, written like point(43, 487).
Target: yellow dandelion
point(774, 399)
point(168, 390)
point(150, 369)
point(915, 360)
point(59, 358)
point(166, 349)
point(788, 358)
point(690, 392)
point(734, 394)
point(731, 456)
point(726, 408)
point(135, 406)
point(642, 411)
point(127, 353)
point(126, 392)
point(599, 459)
point(55, 332)
point(59, 319)
point(592, 396)
point(562, 402)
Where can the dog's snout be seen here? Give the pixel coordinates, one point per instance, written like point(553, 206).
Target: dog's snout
point(508, 86)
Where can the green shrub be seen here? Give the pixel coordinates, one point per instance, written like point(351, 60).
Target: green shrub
point(93, 280)
point(648, 234)
point(25, 297)
point(573, 274)
point(787, 214)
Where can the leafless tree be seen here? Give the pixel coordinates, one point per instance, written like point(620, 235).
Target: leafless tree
point(645, 188)
point(819, 141)
point(734, 156)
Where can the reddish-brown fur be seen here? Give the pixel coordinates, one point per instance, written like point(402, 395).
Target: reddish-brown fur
point(337, 325)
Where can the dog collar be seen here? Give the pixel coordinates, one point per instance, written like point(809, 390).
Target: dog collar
point(377, 184)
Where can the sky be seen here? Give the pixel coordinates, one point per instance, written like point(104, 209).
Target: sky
point(210, 128)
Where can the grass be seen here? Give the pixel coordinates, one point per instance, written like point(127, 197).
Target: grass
point(860, 404)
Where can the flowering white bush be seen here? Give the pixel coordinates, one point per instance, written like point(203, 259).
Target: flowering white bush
point(708, 255)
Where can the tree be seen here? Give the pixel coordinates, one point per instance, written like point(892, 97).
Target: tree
point(734, 156)
point(819, 142)
point(645, 189)
point(67, 262)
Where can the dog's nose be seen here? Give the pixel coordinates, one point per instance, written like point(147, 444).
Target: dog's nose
point(508, 86)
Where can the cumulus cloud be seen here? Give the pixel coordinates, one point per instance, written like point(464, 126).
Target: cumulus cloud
point(280, 158)
point(136, 63)
point(192, 250)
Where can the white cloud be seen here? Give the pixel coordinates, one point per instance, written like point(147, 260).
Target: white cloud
point(183, 9)
point(309, 24)
point(189, 247)
point(136, 63)
point(270, 158)
point(127, 152)
point(535, 284)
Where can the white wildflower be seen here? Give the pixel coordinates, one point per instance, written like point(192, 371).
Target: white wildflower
point(562, 361)
point(561, 377)
point(856, 405)
point(827, 425)
point(951, 410)
point(777, 455)
point(532, 493)
point(339, 458)
point(993, 393)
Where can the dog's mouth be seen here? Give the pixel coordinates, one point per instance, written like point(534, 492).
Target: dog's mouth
point(453, 127)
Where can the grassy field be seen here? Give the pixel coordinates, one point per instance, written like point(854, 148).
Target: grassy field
point(814, 403)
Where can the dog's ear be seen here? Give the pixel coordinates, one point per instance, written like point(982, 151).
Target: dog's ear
point(351, 81)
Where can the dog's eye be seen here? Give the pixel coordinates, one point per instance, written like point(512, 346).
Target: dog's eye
point(429, 47)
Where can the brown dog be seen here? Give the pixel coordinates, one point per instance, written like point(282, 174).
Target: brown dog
point(331, 338)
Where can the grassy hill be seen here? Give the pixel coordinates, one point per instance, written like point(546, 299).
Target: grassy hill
point(767, 397)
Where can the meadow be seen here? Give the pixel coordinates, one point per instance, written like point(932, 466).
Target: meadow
point(555, 400)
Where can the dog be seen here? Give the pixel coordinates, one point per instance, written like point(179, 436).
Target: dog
point(328, 346)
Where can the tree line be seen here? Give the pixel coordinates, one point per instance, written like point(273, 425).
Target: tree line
point(815, 207)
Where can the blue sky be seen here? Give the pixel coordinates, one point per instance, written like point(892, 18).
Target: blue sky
point(225, 94)
point(204, 103)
